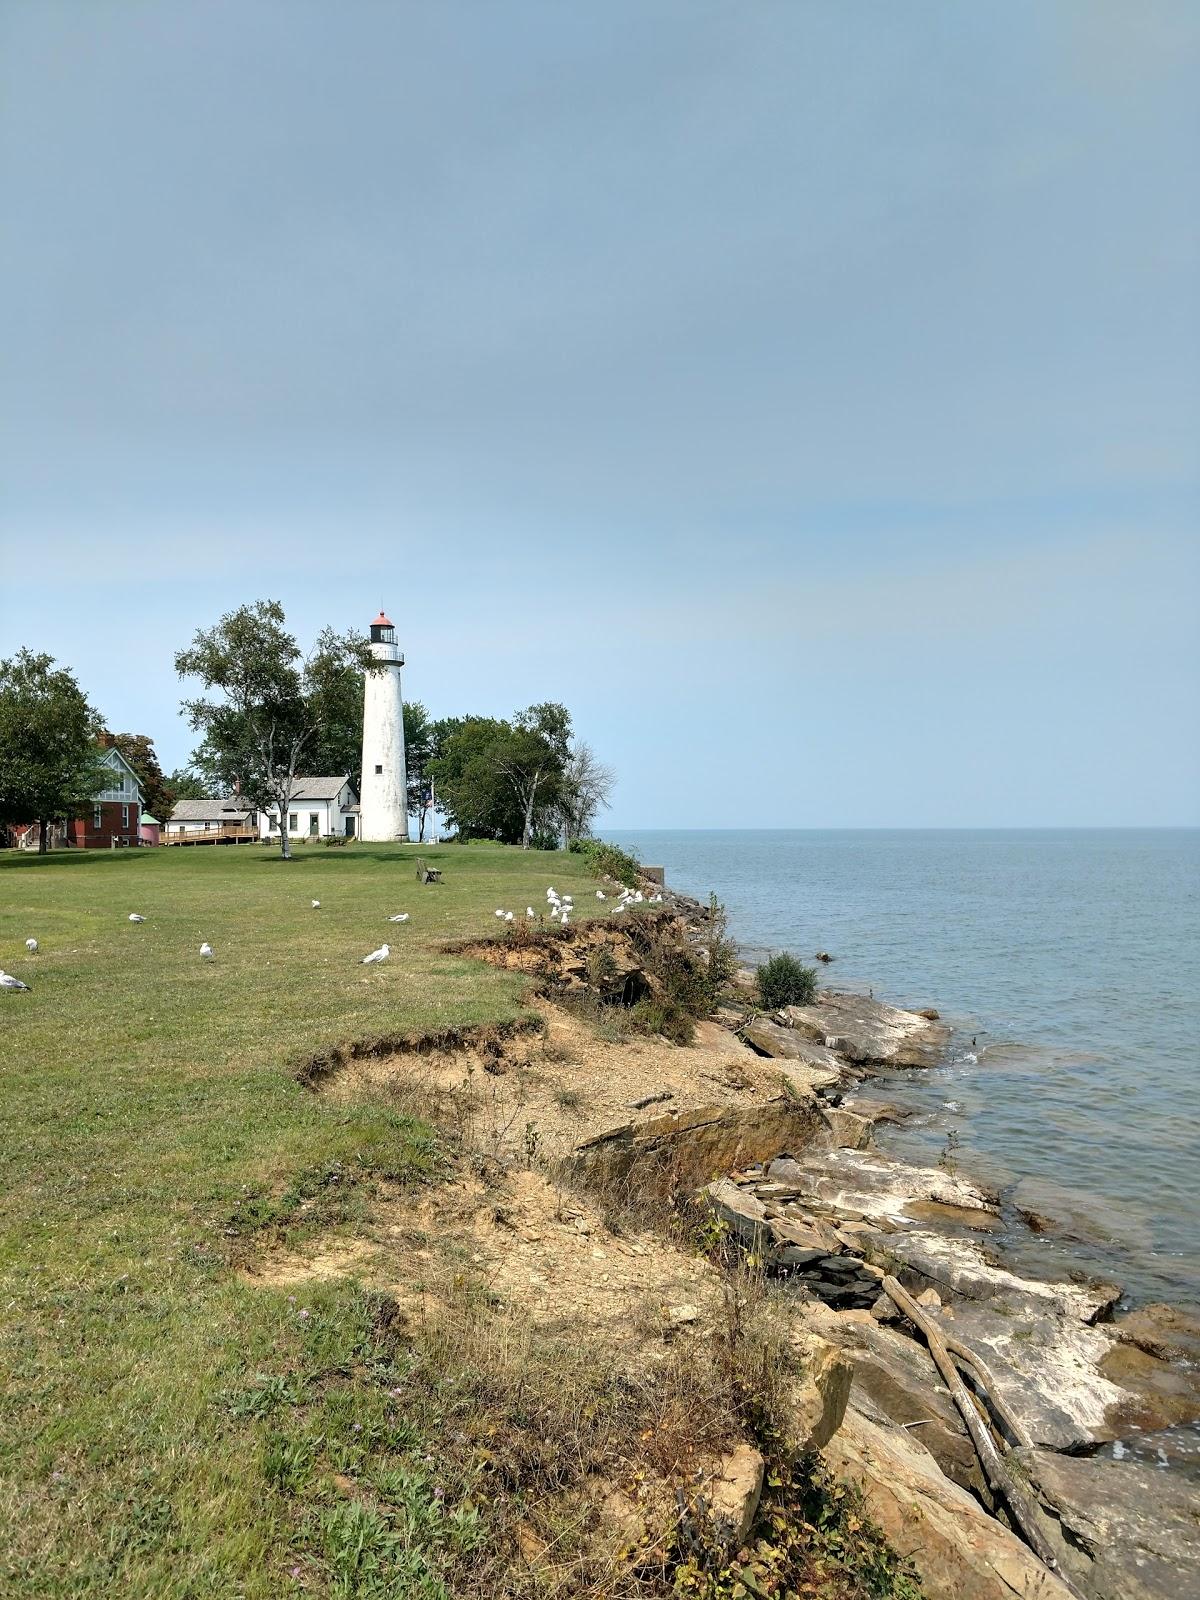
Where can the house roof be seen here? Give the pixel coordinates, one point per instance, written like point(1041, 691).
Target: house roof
point(210, 810)
point(110, 756)
point(319, 788)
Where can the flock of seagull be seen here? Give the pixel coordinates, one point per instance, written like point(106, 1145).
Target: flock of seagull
point(561, 909)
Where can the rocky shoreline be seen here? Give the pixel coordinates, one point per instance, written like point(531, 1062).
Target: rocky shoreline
point(1074, 1369)
point(641, 1190)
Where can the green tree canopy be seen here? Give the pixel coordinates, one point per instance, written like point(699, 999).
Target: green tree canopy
point(50, 765)
point(185, 784)
point(337, 746)
point(502, 780)
point(273, 706)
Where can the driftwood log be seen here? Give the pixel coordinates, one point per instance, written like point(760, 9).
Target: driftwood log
point(1001, 1479)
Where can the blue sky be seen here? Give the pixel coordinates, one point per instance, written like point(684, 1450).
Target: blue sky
point(808, 395)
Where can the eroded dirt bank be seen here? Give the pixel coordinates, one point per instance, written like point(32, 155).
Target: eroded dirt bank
point(638, 1194)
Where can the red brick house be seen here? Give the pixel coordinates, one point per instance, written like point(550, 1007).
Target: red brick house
point(113, 817)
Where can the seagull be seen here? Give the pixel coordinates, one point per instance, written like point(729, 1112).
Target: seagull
point(620, 906)
point(600, 895)
point(554, 914)
point(508, 916)
point(7, 981)
point(133, 917)
point(206, 950)
point(316, 905)
point(530, 912)
point(499, 913)
point(32, 946)
point(401, 916)
point(381, 954)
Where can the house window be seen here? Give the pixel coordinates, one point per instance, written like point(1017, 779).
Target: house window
point(378, 772)
point(96, 818)
point(124, 816)
point(293, 821)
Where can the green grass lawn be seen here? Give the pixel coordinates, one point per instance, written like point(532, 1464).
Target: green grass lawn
point(151, 1117)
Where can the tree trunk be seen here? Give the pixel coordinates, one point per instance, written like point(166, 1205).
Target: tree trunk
point(529, 812)
point(43, 837)
point(285, 843)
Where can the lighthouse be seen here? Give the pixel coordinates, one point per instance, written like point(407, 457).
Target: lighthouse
point(384, 799)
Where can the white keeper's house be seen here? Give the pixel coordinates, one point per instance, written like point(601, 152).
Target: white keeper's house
point(320, 807)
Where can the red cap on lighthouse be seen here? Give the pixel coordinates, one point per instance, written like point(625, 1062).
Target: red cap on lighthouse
point(383, 622)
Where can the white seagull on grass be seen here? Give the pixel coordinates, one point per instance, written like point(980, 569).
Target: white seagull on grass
point(381, 954)
point(7, 981)
point(401, 916)
point(206, 950)
point(134, 917)
point(316, 905)
point(32, 946)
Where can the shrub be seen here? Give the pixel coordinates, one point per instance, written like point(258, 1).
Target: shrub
point(782, 981)
point(608, 860)
point(664, 1016)
point(720, 950)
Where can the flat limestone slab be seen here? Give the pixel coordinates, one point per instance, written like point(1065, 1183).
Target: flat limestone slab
point(869, 1033)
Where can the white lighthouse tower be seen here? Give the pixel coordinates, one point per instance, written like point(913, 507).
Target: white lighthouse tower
point(384, 800)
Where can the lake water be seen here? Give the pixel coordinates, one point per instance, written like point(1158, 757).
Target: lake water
point(1068, 963)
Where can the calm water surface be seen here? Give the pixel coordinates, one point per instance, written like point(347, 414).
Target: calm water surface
point(1068, 963)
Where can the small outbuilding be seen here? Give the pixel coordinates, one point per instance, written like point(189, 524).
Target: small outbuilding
point(149, 829)
point(227, 821)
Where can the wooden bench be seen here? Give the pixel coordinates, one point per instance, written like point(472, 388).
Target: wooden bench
point(426, 873)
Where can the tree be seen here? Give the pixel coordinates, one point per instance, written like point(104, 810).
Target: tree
point(158, 796)
point(185, 784)
point(338, 744)
point(585, 788)
point(471, 791)
point(532, 761)
point(50, 764)
point(419, 748)
point(501, 780)
point(274, 705)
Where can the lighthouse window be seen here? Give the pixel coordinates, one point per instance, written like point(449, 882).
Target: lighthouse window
point(378, 772)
